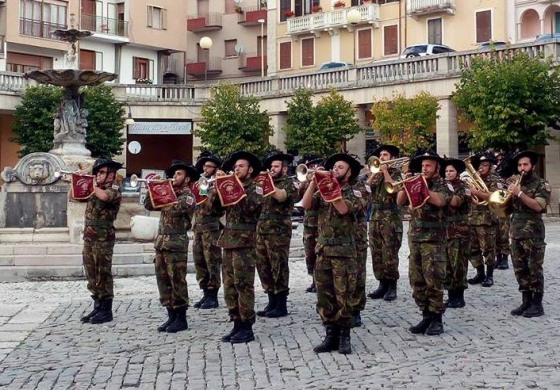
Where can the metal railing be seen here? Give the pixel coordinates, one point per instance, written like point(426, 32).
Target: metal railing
point(104, 25)
point(415, 6)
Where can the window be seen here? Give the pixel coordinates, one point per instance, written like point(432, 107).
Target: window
point(285, 6)
point(230, 48)
point(435, 31)
point(307, 52)
point(41, 18)
point(364, 43)
point(91, 60)
point(483, 26)
point(157, 18)
point(390, 40)
point(143, 68)
point(285, 55)
point(21, 63)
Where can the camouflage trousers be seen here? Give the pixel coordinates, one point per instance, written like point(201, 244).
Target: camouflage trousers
point(426, 271)
point(359, 296)
point(385, 239)
point(502, 237)
point(483, 245)
point(272, 262)
point(309, 244)
point(207, 260)
point(335, 278)
point(238, 272)
point(97, 259)
point(458, 252)
point(171, 277)
point(528, 258)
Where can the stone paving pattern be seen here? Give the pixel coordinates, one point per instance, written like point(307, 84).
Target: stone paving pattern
point(44, 346)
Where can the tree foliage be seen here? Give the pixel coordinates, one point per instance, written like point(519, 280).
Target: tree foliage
point(34, 125)
point(322, 129)
point(232, 122)
point(408, 123)
point(510, 101)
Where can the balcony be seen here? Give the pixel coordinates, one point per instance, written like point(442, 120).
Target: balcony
point(105, 26)
point(198, 68)
point(39, 28)
point(251, 62)
point(332, 20)
point(209, 22)
point(251, 16)
point(416, 8)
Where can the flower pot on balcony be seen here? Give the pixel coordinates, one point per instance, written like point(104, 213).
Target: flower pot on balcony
point(316, 9)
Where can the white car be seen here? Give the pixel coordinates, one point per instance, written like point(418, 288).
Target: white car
point(424, 50)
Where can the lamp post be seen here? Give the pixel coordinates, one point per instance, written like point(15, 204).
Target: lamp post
point(353, 17)
point(129, 121)
point(261, 21)
point(205, 44)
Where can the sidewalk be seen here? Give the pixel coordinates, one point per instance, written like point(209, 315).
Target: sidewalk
point(43, 345)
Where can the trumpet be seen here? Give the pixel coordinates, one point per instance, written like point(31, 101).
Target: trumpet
point(374, 164)
point(499, 201)
point(398, 185)
point(471, 177)
point(135, 180)
point(63, 172)
point(204, 184)
point(302, 171)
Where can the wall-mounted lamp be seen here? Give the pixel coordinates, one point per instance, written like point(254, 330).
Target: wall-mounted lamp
point(129, 121)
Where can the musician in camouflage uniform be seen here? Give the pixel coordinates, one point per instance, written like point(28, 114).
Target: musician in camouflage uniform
point(99, 239)
point(274, 232)
point(457, 232)
point(502, 234)
point(335, 270)
point(172, 244)
point(238, 240)
point(530, 198)
point(385, 226)
point(207, 254)
point(426, 237)
point(483, 223)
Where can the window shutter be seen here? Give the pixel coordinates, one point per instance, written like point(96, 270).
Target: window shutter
point(164, 19)
point(483, 26)
point(364, 43)
point(390, 40)
point(285, 55)
point(307, 55)
point(149, 16)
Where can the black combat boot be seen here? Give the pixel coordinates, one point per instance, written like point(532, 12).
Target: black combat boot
point(503, 264)
point(422, 325)
point(233, 332)
point(436, 326)
point(357, 317)
point(380, 291)
point(479, 277)
point(211, 301)
point(244, 335)
point(269, 307)
point(170, 319)
point(489, 280)
point(280, 309)
point(96, 305)
point(527, 296)
point(458, 299)
point(105, 313)
point(204, 297)
point(391, 293)
point(312, 288)
point(331, 340)
point(536, 309)
point(450, 298)
point(180, 321)
point(344, 346)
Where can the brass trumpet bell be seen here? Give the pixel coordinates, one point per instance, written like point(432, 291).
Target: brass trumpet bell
point(374, 164)
point(302, 171)
point(204, 184)
point(398, 185)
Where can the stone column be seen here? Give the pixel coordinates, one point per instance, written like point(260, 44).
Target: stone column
point(551, 172)
point(278, 121)
point(357, 145)
point(447, 142)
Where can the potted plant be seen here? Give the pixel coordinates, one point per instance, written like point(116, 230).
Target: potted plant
point(339, 4)
point(238, 9)
point(316, 8)
point(289, 13)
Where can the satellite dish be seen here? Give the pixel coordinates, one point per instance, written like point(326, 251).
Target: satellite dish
point(239, 48)
point(237, 2)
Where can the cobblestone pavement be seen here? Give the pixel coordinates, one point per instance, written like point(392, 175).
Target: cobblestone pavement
point(44, 346)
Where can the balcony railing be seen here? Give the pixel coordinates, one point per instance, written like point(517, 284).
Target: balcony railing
point(200, 68)
point(103, 25)
point(38, 28)
point(251, 62)
point(425, 7)
point(332, 20)
point(208, 22)
point(252, 15)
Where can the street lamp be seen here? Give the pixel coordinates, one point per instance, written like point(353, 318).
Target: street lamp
point(205, 44)
point(261, 21)
point(129, 121)
point(353, 17)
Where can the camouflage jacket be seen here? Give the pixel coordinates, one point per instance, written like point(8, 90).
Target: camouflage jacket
point(480, 214)
point(207, 214)
point(457, 218)
point(384, 205)
point(275, 216)
point(525, 222)
point(337, 232)
point(361, 222)
point(100, 216)
point(310, 217)
point(241, 219)
point(427, 223)
point(174, 222)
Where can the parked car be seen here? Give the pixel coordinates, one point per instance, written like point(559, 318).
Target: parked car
point(333, 65)
point(424, 50)
point(492, 45)
point(546, 37)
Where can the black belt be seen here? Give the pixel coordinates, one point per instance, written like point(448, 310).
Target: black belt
point(99, 223)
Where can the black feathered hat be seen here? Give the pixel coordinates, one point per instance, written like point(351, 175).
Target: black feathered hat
point(355, 165)
point(178, 164)
point(204, 158)
point(393, 150)
point(416, 162)
point(458, 164)
point(276, 155)
point(253, 160)
point(105, 162)
point(478, 159)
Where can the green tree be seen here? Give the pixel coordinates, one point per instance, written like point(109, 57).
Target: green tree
point(33, 128)
point(232, 122)
point(323, 129)
point(510, 101)
point(408, 123)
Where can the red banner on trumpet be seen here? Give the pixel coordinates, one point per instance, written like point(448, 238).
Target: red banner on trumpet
point(230, 190)
point(264, 180)
point(82, 186)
